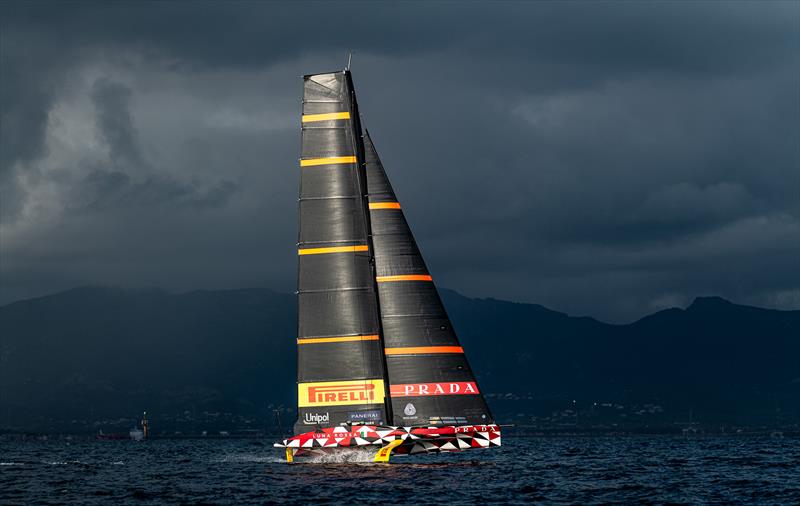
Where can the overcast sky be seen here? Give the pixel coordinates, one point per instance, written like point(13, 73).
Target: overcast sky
point(601, 158)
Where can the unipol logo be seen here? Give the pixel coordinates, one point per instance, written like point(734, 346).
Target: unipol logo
point(410, 410)
point(316, 418)
point(424, 389)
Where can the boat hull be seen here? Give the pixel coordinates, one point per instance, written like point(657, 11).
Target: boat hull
point(452, 438)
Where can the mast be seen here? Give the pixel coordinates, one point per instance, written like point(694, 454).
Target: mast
point(363, 186)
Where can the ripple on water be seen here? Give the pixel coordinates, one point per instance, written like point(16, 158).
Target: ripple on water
point(548, 470)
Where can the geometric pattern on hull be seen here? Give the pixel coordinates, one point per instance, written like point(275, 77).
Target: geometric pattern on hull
point(415, 439)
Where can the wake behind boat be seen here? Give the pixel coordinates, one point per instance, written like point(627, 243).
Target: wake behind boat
point(379, 365)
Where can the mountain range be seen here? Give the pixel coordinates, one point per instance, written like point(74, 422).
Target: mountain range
point(92, 357)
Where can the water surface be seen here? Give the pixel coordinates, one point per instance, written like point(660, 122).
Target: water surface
point(656, 469)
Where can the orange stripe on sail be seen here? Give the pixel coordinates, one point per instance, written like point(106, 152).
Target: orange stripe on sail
point(404, 277)
point(342, 339)
point(384, 205)
point(421, 350)
point(310, 162)
point(309, 118)
point(334, 249)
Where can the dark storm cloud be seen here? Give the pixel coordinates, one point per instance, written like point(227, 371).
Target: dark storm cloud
point(101, 190)
point(602, 158)
point(114, 121)
point(28, 76)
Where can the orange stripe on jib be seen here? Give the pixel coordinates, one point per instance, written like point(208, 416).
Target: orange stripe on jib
point(384, 205)
point(342, 339)
point(405, 277)
point(422, 350)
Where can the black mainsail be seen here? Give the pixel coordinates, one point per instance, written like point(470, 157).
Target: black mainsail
point(378, 360)
point(431, 382)
point(340, 374)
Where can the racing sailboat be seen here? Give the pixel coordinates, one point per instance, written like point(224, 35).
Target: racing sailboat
point(379, 364)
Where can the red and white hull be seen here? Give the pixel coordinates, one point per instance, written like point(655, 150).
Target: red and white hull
point(414, 439)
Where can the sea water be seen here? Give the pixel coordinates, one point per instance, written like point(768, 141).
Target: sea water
point(586, 470)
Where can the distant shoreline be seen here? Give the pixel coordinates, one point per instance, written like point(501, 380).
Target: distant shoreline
point(512, 432)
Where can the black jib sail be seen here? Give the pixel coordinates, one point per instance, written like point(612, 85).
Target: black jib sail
point(341, 375)
point(431, 382)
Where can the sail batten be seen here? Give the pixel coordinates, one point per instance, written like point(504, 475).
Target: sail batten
point(337, 339)
point(423, 350)
point(328, 116)
point(333, 249)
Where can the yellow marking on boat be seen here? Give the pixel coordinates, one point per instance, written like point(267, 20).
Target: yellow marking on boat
point(310, 118)
point(340, 393)
point(384, 205)
point(332, 160)
point(422, 350)
point(386, 452)
point(334, 249)
point(289, 455)
point(404, 277)
point(342, 339)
